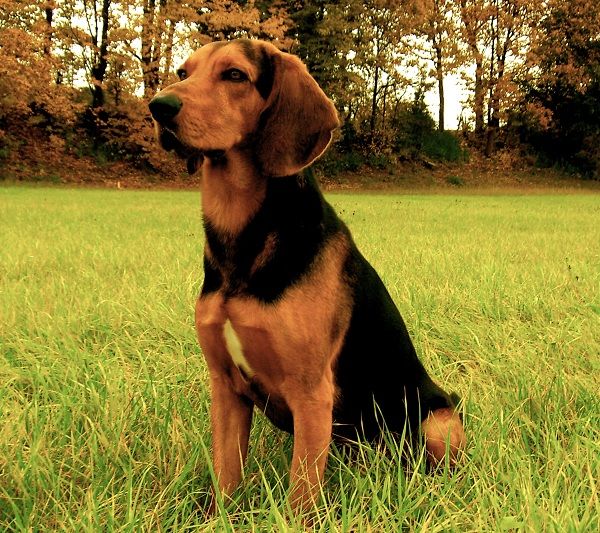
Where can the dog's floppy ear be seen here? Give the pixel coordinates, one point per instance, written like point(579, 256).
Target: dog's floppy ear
point(296, 126)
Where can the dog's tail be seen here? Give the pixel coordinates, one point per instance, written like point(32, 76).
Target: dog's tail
point(444, 433)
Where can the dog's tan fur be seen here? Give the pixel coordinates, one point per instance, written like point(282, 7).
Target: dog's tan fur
point(289, 345)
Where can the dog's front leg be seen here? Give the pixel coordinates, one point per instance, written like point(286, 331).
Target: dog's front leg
point(231, 418)
point(312, 411)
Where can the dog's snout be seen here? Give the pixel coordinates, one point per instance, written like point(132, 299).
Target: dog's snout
point(165, 108)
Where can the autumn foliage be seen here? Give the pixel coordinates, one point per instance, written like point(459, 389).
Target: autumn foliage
point(76, 75)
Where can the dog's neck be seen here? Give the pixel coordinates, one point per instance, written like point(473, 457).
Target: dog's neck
point(232, 190)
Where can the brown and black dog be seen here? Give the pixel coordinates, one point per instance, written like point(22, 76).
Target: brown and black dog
point(291, 317)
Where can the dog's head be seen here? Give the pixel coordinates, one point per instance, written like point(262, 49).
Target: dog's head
point(245, 94)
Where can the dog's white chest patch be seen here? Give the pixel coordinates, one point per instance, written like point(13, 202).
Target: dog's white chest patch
point(235, 349)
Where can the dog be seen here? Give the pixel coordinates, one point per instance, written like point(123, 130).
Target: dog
point(291, 317)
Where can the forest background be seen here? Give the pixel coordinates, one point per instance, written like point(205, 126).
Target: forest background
point(76, 77)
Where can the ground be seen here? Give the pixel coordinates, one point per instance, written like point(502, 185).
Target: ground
point(104, 396)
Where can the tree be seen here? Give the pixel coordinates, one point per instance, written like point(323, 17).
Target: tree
point(28, 68)
point(439, 29)
point(230, 19)
point(474, 18)
point(153, 29)
point(563, 86)
point(510, 24)
point(86, 26)
point(324, 36)
point(100, 63)
point(382, 28)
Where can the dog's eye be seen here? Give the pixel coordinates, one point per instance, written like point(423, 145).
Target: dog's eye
point(234, 74)
point(182, 73)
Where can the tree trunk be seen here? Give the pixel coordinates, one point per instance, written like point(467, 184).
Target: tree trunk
point(168, 53)
point(99, 69)
point(473, 20)
point(385, 91)
point(374, 103)
point(147, 43)
point(152, 33)
point(439, 70)
point(478, 105)
point(492, 129)
point(494, 121)
point(157, 37)
point(49, 11)
point(492, 117)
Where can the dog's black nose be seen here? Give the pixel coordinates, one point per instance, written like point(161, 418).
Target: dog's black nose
point(165, 108)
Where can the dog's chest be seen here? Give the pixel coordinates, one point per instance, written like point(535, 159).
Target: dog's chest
point(233, 337)
point(235, 349)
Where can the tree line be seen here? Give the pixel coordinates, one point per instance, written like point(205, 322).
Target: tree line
point(81, 71)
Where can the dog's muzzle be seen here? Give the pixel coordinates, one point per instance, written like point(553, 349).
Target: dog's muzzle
point(164, 109)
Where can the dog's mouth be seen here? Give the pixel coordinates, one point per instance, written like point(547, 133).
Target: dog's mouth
point(170, 142)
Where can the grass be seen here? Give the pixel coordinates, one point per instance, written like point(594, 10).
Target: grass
point(104, 400)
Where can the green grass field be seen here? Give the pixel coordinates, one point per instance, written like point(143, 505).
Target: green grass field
point(103, 389)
